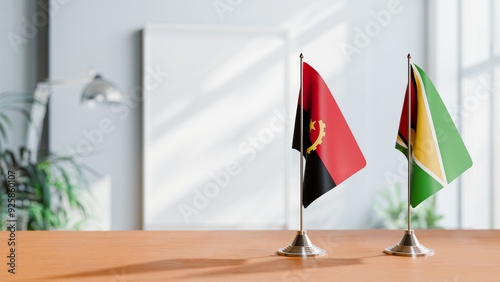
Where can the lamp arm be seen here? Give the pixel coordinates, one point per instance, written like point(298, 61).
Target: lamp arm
point(38, 110)
point(98, 88)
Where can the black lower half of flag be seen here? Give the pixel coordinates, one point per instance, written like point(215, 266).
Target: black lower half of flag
point(317, 179)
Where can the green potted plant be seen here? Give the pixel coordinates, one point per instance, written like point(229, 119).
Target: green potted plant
point(50, 193)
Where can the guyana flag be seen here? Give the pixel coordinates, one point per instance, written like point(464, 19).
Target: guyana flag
point(330, 150)
point(438, 154)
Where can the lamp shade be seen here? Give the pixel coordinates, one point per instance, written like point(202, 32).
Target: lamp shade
point(102, 91)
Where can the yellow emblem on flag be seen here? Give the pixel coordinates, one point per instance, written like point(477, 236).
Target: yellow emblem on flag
point(321, 134)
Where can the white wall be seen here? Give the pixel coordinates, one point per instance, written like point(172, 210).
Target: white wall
point(17, 57)
point(369, 86)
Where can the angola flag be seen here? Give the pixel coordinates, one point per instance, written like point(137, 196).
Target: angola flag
point(438, 154)
point(330, 150)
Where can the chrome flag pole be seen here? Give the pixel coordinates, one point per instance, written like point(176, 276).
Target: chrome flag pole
point(409, 245)
point(301, 245)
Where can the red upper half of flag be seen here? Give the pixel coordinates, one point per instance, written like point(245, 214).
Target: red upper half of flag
point(338, 149)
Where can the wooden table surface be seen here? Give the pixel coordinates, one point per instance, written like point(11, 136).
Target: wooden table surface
point(461, 255)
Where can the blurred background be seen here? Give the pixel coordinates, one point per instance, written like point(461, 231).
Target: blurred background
point(201, 138)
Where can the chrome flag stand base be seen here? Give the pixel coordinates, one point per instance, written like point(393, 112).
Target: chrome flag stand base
point(301, 247)
point(409, 247)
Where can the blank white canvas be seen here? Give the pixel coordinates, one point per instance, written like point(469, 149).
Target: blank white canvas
point(216, 128)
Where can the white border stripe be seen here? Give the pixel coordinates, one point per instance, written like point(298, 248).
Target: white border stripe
point(428, 171)
point(402, 144)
